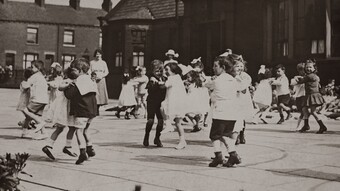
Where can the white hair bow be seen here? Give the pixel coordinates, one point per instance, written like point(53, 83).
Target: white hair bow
point(194, 61)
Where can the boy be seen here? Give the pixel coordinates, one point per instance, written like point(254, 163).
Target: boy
point(83, 105)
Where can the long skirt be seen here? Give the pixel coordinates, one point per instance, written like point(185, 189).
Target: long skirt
point(102, 97)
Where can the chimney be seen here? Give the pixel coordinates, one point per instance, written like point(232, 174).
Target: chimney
point(75, 4)
point(4, 1)
point(107, 5)
point(41, 3)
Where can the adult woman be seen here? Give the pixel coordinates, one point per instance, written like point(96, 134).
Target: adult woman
point(99, 67)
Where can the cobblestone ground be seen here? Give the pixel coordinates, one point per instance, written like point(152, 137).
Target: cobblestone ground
point(274, 157)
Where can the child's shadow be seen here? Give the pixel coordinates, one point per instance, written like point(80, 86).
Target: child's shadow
point(10, 137)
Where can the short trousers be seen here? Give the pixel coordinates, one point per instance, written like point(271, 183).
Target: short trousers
point(285, 99)
point(80, 122)
point(221, 128)
point(36, 108)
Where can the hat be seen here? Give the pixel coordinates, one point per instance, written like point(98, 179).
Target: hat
point(185, 69)
point(228, 51)
point(262, 69)
point(55, 64)
point(172, 52)
point(194, 61)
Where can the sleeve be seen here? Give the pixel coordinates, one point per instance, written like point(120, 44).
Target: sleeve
point(168, 83)
point(293, 82)
point(308, 78)
point(277, 82)
point(106, 70)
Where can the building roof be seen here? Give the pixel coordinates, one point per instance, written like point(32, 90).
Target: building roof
point(145, 9)
point(52, 14)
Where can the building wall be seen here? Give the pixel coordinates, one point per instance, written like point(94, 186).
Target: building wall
point(50, 41)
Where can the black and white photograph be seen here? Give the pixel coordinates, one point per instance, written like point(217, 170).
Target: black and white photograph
point(169, 95)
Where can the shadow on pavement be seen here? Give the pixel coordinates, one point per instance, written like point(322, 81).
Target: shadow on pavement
point(307, 173)
point(9, 137)
point(175, 160)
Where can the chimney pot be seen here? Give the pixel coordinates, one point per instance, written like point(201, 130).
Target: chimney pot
point(41, 3)
point(107, 5)
point(75, 4)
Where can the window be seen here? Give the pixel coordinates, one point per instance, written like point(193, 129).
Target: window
point(68, 37)
point(282, 28)
point(28, 58)
point(138, 44)
point(32, 35)
point(10, 59)
point(309, 30)
point(138, 59)
point(335, 23)
point(49, 59)
point(67, 59)
point(100, 39)
point(119, 59)
point(318, 47)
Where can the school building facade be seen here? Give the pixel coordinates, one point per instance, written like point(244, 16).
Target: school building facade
point(266, 32)
point(52, 33)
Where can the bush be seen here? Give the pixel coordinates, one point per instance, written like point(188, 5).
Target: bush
point(9, 170)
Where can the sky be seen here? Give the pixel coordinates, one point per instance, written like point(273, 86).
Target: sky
point(83, 3)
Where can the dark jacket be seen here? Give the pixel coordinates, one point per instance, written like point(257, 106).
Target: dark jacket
point(156, 93)
point(81, 106)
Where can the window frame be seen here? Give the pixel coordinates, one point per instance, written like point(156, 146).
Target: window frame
point(27, 62)
point(63, 61)
point(66, 43)
point(36, 35)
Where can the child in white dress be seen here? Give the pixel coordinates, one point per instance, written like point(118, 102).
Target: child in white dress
point(25, 93)
point(263, 95)
point(127, 100)
point(176, 99)
point(141, 80)
point(60, 117)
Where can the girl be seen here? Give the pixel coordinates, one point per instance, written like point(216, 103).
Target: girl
point(141, 81)
point(283, 93)
point(38, 100)
point(198, 66)
point(244, 97)
point(299, 91)
point(175, 99)
point(127, 101)
point(263, 94)
point(25, 93)
point(60, 109)
point(99, 66)
point(194, 84)
point(224, 104)
point(54, 81)
point(156, 94)
point(313, 98)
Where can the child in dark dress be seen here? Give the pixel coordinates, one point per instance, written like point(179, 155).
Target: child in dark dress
point(313, 98)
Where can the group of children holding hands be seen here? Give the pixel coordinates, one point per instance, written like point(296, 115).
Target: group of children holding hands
point(72, 103)
point(172, 92)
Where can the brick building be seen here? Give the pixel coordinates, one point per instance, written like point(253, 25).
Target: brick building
point(264, 31)
point(47, 32)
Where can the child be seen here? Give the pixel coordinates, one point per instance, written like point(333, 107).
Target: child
point(194, 84)
point(244, 98)
point(83, 105)
point(283, 93)
point(61, 118)
point(198, 66)
point(156, 94)
point(313, 98)
point(141, 81)
point(224, 105)
point(54, 81)
point(175, 99)
point(299, 91)
point(127, 101)
point(38, 100)
point(263, 94)
point(25, 93)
